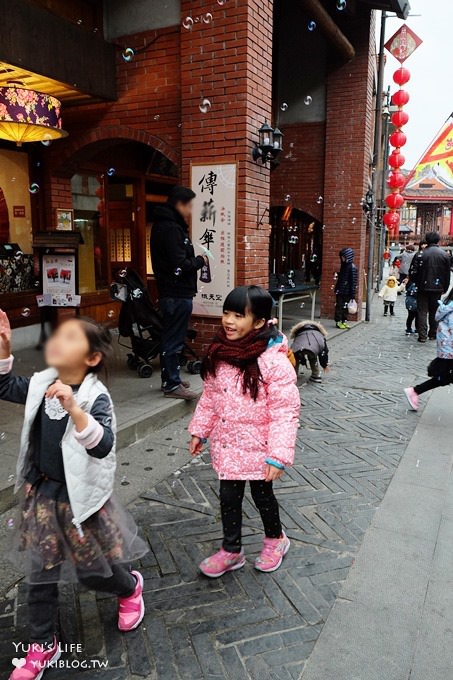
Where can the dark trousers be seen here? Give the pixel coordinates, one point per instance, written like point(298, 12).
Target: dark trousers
point(427, 304)
point(43, 599)
point(231, 497)
point(445, 376)
point(411, 317)
point(389, 306)
point(341, 308)
point(176, 316)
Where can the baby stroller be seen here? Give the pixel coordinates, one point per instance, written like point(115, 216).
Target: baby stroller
point(140, 320)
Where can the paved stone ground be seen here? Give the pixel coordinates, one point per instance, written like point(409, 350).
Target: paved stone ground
point(354, 430)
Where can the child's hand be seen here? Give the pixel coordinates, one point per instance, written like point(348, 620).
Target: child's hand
point(195, 446)
point(5, 336)
point(64, 394)
point(272, 473)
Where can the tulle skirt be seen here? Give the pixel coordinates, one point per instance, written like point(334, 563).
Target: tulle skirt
point(48, 548)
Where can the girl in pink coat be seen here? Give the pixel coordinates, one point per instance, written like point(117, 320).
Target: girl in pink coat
point(250, 411)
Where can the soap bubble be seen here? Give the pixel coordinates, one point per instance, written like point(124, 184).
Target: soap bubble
point(205, 105)
point(110, 313)
point(157, 117)
point(302, 305)
point(207, 18)
point(292, 240)
point(354, 220)
point(319, 200)
point(2, 436)
point(111, 172)
point(187, 23)
point(10, 478)
point(33, 188)
point(308, 100)
point(122, 273)
point(341, 5)
point(290, 274)
point(284, 106)
point(178, 271)
point(349, 206)
point(26, 312)
point(221, 2)
point(10, 523)
point(128, 54)
point(13, 179)
point(18, 255)
point(437, 282)
point(47, 139)
point(311, 25)
point(314, 258)
point(287, 198)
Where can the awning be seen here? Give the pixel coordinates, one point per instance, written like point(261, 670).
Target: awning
point(400, 7)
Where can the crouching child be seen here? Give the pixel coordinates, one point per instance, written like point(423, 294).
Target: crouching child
point(309, 343)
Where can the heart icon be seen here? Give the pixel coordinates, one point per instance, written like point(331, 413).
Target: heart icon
point(19, 662)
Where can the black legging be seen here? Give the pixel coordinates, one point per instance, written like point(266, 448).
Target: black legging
point(432, 383)
point(231, 497)
point(43, 598)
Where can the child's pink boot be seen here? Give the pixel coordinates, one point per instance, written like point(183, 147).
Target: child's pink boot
point(131, 609)
point(272, 554)
point(37, 661)
point(221, 562)
point(412, 398)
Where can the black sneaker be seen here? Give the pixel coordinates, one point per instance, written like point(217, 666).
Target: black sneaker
point(315, 379)
point(422, 340)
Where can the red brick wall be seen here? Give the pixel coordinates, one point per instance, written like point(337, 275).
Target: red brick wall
point(230, 63)
point(301, 170)
point(349, 132)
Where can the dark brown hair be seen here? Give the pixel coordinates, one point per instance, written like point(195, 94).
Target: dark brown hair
point(99, 342)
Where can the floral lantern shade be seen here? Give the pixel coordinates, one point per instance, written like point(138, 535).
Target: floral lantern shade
point(29, 116)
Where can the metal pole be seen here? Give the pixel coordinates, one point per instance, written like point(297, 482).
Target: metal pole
point(385, 160)
point(376, 153)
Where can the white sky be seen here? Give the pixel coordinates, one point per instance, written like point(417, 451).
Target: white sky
point(431, 68)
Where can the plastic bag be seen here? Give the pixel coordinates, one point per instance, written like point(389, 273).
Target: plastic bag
point(352, 307)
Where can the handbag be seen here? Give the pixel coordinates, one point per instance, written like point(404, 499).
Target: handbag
point(352, 307)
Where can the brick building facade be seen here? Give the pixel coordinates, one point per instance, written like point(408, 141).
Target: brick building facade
point(132, 147)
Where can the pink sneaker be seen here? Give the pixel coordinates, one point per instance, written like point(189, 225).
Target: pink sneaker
point(221, 562)
point(131, 609)
point(37, 661)
point(412, 398)
point(273, 552)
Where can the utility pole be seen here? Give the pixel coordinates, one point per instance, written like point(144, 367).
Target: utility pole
point(385, 159)
point(374, 180)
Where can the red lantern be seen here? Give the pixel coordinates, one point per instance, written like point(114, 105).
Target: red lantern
point(396, 180)
point(396, 160)
point(394, 201)
point(400, 98)
point(400, 118)
point(401, 76)
point(398, 139)
point(391, 219)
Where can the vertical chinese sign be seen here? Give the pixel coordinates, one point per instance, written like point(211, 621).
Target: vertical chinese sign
point(214, 230)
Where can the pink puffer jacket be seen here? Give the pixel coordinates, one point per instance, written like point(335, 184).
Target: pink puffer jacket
point(244, 432)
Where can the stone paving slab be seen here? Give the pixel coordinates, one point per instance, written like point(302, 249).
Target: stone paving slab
point(248, 624)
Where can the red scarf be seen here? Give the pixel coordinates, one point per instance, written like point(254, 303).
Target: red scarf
point(242, 354)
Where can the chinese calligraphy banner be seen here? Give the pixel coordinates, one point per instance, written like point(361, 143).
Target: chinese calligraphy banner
point(214, 230)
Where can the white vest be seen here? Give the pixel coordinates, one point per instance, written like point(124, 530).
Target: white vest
point(89, 480)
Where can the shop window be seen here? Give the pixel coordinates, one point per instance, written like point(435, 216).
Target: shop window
point(88, 204)
point(16, 259)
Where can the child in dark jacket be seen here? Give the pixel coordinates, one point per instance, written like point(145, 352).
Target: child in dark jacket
point(346, 287)
point(309, 343)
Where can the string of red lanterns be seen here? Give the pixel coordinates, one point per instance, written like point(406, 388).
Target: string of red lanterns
point(398, 139)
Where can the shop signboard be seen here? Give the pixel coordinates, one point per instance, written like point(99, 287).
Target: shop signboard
point(214, 233)
point(58, 281)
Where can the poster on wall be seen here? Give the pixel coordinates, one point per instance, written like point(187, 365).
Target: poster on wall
point(58, 281)
point(214, 233)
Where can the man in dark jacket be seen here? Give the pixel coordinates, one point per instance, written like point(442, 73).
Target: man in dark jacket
point(175, 267)
point(432, 278)
point(346, 287)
